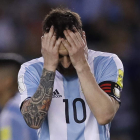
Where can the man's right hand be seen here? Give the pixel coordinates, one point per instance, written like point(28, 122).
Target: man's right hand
point(50, 47)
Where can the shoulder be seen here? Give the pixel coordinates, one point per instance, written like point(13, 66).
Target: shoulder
point(30, 73)
point(106, 67)
point(32, 65)
point(104, 59)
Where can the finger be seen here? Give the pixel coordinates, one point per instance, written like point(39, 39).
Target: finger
point(45, 35)
point(57, 44)
point(44, 41)
point(84, 37)
point(69, 38)
point(86, 48)
point(78, 35)
point(74, 38)
point(53, 41)
point(50, 34)
point(66, 44)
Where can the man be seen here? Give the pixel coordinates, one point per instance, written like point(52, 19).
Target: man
point(12, 124)
point(71, 93)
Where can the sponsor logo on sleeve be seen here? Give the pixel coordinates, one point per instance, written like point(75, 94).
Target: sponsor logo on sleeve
point(120, 78)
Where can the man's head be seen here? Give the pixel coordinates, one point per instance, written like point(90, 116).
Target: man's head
point(62, 19)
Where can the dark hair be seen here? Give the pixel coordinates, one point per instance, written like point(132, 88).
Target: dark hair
point(62, 19)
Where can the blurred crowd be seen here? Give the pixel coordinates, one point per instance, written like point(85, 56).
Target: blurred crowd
point(110, 26)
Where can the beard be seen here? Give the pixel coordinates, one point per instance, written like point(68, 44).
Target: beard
point(70, 71)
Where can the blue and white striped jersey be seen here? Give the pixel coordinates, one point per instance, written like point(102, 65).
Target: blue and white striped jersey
point(69, 116)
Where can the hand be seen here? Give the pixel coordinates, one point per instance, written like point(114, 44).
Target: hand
point(50, 47)
point(77, 48)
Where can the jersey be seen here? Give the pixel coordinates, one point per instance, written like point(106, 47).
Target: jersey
point(69, 116)
point(12, 124)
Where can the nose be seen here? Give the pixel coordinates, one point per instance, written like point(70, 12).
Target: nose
point(65, 61)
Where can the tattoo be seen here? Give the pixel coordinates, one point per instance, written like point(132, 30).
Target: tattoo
point(35, 109)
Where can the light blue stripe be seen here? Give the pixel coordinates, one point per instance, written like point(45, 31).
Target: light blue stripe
point(102, 132)
point(75, 131)
point(32, 77)
point(105, 69)
point(44, 132)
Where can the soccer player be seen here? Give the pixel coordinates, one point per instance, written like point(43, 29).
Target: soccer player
point(71, 93)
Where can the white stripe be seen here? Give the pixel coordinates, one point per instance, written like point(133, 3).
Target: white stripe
point(91, 127)
point(56, 114)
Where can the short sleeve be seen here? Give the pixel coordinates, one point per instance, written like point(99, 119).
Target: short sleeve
point(28, 80)
point(109, 71)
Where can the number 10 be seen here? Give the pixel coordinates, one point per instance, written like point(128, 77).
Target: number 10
point(75, 110)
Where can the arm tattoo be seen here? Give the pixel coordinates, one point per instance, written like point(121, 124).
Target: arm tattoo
point(35, 109)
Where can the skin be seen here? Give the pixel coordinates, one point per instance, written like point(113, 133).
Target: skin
point(35, 109)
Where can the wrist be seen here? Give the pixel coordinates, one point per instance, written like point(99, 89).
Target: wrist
point(50, 68)
point(83, 67)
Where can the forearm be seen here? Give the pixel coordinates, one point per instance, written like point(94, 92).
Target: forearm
point(102, 106)
point(35, 109)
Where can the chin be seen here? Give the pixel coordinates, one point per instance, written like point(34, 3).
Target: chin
point(70, 71)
